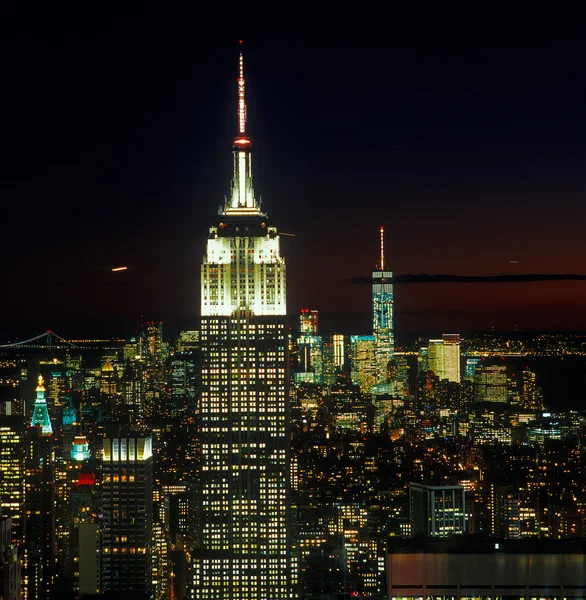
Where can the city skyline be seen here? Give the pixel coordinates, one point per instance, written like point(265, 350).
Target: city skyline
point(447, 147)
point(236, 405)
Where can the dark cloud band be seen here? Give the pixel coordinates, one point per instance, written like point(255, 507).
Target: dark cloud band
point(502, 278)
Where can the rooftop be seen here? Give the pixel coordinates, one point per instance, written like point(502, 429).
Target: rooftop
point(479, 544)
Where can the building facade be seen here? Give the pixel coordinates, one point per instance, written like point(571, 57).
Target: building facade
point(127, 528)
point(9, 563)
point(39, 515)
point(436, 358)
point(244, 545)
point(308, 321)
point(12, 458)
point(490, 384)
point(363, 361)
point(443, 357)
point(339, 346)
point(451, 357)
point(38, 523)
point(310, 352)
point(437, 511)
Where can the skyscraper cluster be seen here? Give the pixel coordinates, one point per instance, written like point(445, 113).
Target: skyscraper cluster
point(261, 457)
point(87, 510)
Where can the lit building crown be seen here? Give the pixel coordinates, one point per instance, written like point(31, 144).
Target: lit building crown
point(80, 450)
point(40, 412)
point(243, 268)
point(242, 201)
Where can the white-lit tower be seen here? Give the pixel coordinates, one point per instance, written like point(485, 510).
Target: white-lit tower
point(452, 356)
point(339, 350)
point(444, 357)
point(243, 533)
point(382, 314)
point(436, 357)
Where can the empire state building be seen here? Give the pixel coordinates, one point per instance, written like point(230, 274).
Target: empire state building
point(243, 543)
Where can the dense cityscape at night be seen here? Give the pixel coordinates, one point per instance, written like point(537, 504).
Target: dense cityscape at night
point(367, 383)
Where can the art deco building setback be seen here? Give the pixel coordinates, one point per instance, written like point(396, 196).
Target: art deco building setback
point(244, 542)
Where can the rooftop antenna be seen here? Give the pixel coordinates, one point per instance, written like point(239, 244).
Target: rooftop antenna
point(241, 101)
point(382, 248)
point(242, 198)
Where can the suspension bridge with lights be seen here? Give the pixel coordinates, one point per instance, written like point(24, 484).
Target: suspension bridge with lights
point(49, 340)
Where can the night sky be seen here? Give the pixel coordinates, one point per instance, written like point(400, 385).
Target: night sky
point(116, 150)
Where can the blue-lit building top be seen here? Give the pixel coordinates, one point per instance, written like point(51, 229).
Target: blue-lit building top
point(40, 411)
point(382, 313)
point(80, 450)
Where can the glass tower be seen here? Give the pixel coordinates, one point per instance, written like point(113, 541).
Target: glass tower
point(382, 315)
point(243, 532)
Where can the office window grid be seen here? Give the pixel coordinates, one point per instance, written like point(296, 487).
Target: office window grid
point(244, 482)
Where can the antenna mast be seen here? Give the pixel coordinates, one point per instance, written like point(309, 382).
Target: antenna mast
point(382, 248)
point(241, 102)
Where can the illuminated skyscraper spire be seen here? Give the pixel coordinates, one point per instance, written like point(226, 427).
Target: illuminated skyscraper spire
point(382, 313)
point(382, 248)
point(40, 411)
point(242, 200)
point(241, 99)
